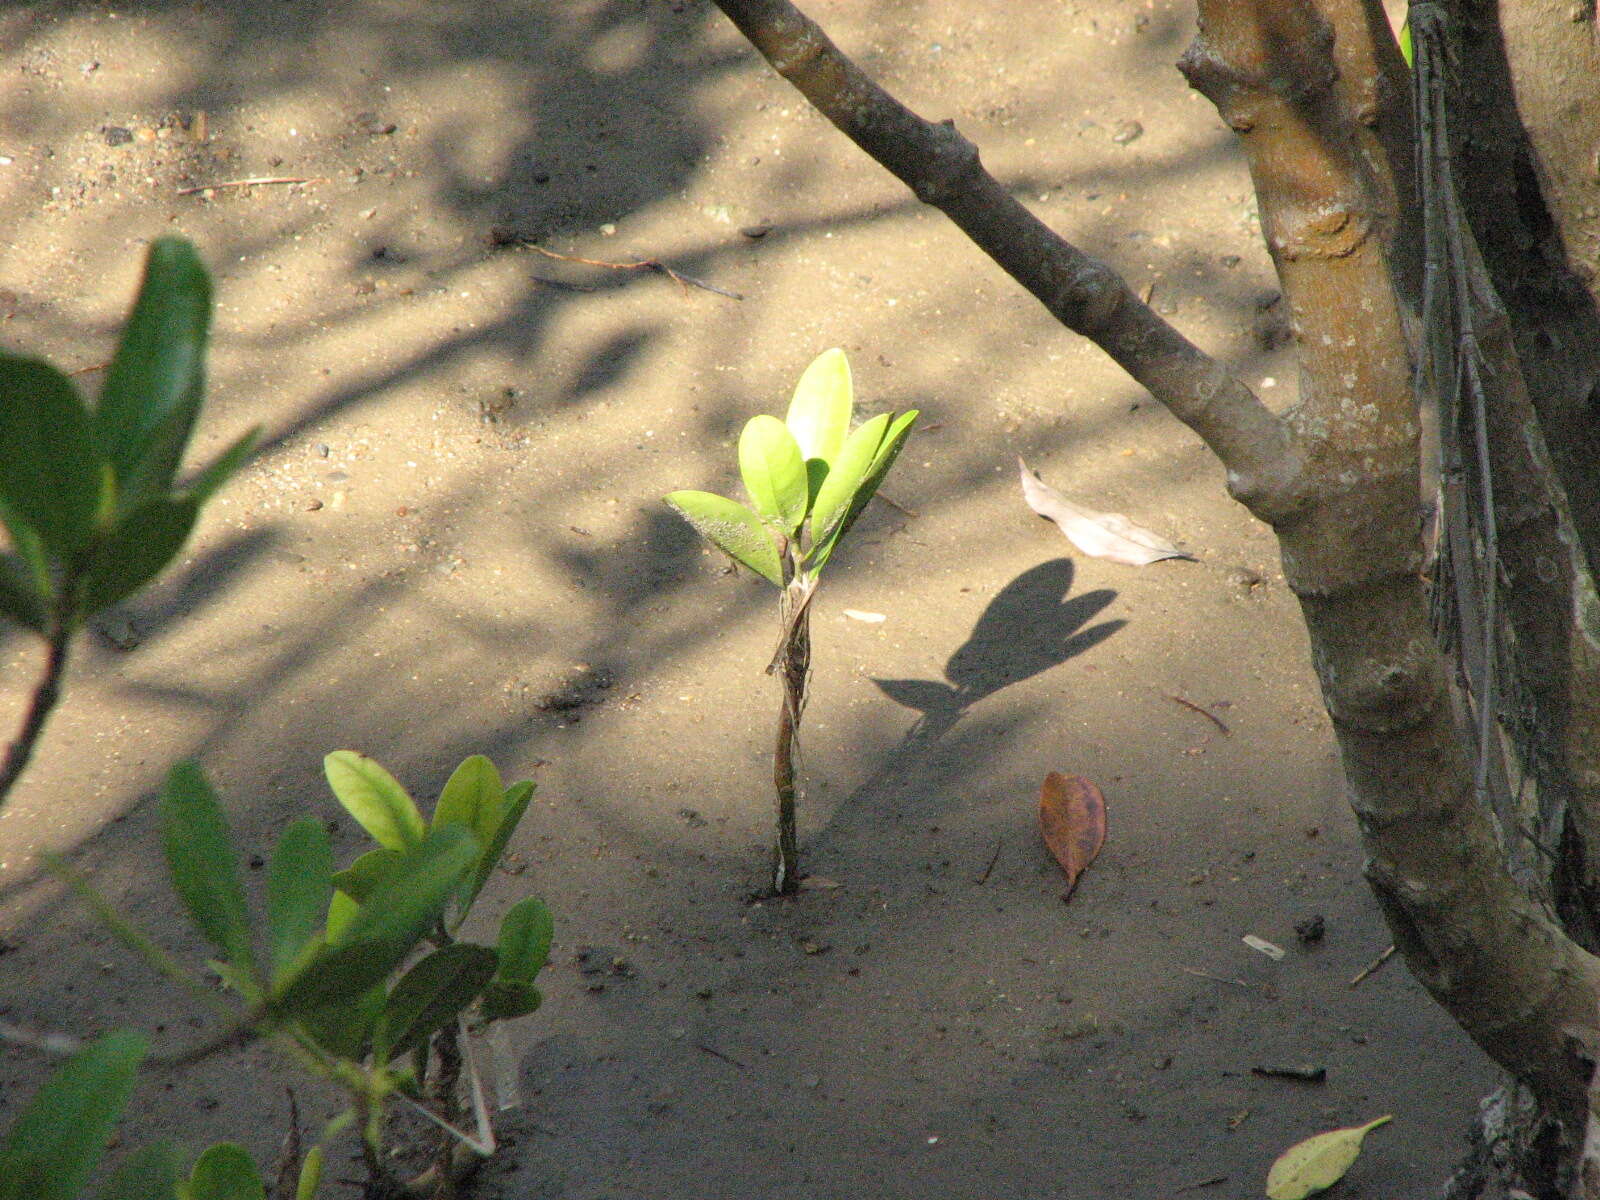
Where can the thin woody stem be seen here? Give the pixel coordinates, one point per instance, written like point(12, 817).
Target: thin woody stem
point(793, 669)
point(45, 697)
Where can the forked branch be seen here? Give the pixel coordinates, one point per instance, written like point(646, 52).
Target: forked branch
point(942, 168)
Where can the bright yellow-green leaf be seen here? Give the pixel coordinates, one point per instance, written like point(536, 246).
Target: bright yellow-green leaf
point(1318, 1162)
point(733, 529)
point(839, 489)
point(774, 472)
point(819, 414)
point(375, 798)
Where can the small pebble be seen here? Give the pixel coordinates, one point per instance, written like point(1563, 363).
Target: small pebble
point(1127, 131)
point(322, 449)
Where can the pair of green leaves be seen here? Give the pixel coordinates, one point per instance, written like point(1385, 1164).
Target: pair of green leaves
point(54, 1146)
point(87, 496)
point(808, 477)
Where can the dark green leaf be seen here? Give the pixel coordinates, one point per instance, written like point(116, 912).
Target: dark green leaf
point(511, 810)
point(433, 993)
point(819, 413)
point(472, 797)
point(52, 477)
point(150, 1173)
point(388, 926)
point(503, 1000)
point(200, 857)
point(374, 798)
point(156, 380)
point(525, 934)
point(299, 886)
point(225, 1172)
point(733, 529)
point(218, 473)
point(360, 878)
point(19, 595)
point(50, 1150)
point(144, 540)
point(773, 472)
point(344, 1027)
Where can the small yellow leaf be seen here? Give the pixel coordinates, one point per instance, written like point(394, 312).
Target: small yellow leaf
point(1318, 1162)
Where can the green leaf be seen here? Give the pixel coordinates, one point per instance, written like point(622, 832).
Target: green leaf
point(433, 993)
point(503, 999)
point(525, 934)
point(299, 886)
point(472, 797)
point(51, 1149)
point(218, 473)
point(387, 926)
point(344, 1027)
point(733, 529)
point(310, 1175)
point(156, 380)
point(374, 798)
point(774, 473)
point(19, 596)
point(819, 413)
point(515, 804)
point(342, 909)
point(200, 857)
point(845, 476)
point(53, 478)
point(225, 1172)
point(888, 450)
point(149, 1173)
point(360, 878)
point(141, 544)
point(1318, 1162)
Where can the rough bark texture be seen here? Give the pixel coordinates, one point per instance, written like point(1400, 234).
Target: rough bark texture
point(1337, 477)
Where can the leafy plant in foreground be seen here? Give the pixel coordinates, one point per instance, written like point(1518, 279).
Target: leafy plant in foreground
point(87, 497)
point(357, 974)
point(808, 478)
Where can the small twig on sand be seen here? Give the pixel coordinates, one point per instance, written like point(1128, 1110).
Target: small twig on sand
point(1372, 967)
point(1214, 978)
point(259, 181)
point(993, 858)
point(892, 504)
point(732, 1062)
point(643, 264)
point(100, 366)
point(1204, 1183)
point(1193, 707)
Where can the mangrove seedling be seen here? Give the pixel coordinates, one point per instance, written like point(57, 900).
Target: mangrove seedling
point(808, 477)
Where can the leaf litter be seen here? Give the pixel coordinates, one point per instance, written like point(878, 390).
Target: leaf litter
point(1097, 534)
point(1072, 820)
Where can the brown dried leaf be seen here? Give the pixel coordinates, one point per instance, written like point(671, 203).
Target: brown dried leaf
point(1072, 820)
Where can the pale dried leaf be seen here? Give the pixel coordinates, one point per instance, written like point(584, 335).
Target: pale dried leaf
point(1275, 953)
point(1099, 535)
point(870, 618)
point(1318, 1162)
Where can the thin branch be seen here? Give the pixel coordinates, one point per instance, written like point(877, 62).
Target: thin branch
point(642, 264)
point(45, 697)
point(942, 168)
point(261, 181)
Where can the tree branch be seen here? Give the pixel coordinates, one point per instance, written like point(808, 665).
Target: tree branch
point(942, 168)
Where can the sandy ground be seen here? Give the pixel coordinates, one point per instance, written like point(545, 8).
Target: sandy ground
point(453, 542)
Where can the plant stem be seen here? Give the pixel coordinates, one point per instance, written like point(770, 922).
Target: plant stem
point(793, 669)
point(45, 698)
